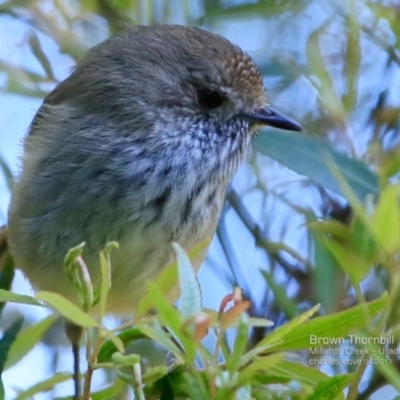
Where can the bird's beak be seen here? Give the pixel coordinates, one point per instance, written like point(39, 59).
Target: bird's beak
point(267, 116)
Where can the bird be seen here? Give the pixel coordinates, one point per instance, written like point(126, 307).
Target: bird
point(138, 145)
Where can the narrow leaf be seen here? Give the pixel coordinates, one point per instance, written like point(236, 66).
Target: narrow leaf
point(278, 335)
point(6, 295)
point(167, 280)
point(385, 364)
point(189, 285)
point(239, 347)
point(158, 334)
point(40, 55)
point(386, 222)
point(325, 270)
point(105, 268)
point(127, 337)
point(9, 337)
point(6, 342)
point(332, 327)
point(331, 388)
point(44, 386)
point(27, 339)
point(67, 309)
point(310, 156)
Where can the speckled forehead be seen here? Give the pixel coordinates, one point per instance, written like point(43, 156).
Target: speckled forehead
point(244, 77)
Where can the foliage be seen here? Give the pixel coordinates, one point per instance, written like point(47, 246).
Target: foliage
point(229, 371)
point(337, 241)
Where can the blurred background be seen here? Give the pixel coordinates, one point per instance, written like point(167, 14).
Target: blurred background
point(333, 66)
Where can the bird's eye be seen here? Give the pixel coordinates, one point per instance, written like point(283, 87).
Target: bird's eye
point(210, 99)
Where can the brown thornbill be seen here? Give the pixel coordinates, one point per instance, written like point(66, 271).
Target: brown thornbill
point(137, 145)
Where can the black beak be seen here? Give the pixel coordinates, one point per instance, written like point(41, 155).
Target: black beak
point(267, 116)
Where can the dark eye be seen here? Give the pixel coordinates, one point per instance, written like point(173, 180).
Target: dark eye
point(210, 99)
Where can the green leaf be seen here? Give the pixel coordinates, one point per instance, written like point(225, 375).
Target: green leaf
point(385, 364)
point(154, 374)
point(325, 270)
point(105, 268)
point(353, 57)
point(319, 69)
point(196, 387)
point(188, 283)
point(310, 156)
point(261, 364)
point(7, 273)
point(171, 318)
point(336, 326)
point(362, 241)
point(277, 336)
point(281, 296)
point(386, 221)
point(78, 274)
point(6, 342)
point(40, 55)
point(6, 295)
point(116, 341)
point(170, 386)
point(218, 9)
point(295, 371)
point(356, 267)
point(158, 334)
point(168, 314)
point(44, 386)
point(110, 392)
point(127, 337)
point(167, 280)
point(27, 339)
point(125, 360)
point(331, 388)
point(239, 347)
point(67, 309)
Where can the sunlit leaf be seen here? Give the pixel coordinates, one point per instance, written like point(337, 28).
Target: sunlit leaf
point(6, 295)
point(355, 266)
point(331, 388)
point(67, 309)
point(295, 371)
point(386, 222)
point(278, 335)
point(313, 333)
